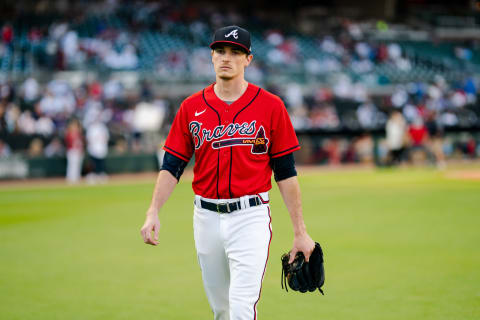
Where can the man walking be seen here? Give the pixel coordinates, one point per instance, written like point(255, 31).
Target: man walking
point(239, 133)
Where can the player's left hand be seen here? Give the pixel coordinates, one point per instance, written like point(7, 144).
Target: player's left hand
point(302, 243)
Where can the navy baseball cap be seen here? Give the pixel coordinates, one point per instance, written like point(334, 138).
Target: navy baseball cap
point(232, 35)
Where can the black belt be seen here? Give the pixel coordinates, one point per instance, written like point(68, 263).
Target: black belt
point(227, 207)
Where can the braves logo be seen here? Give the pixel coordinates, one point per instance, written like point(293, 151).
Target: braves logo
point(259, 142)
point(233, 33)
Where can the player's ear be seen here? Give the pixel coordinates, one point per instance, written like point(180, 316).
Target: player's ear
point(249, 59)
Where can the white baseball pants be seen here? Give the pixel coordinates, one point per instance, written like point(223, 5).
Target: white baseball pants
point(232, 251)
point(74, 165)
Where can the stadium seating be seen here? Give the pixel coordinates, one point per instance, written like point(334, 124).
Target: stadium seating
point(427, 58)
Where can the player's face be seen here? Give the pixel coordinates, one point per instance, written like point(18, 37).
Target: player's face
point(229, 62)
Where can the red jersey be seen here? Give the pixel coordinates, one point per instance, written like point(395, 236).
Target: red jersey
point(233, 144)
point(418, 134)
point(74, 140)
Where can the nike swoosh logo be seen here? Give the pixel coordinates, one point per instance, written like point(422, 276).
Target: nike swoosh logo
point(199, 113)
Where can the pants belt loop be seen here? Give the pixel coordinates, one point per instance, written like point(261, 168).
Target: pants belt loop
point(197, 201)
point(244, 202)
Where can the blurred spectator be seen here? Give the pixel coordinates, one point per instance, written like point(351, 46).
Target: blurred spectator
point(254, 73)
point(12, 114)
point(435, 132)
point(26, 123)
point(396, 130)
point(332, 147)
point(35, 148)
point(400, 97)
point(394, 51)
point(7, 35)
point(470, 90)
point(57, 30)
point(410, 112)
point(126, 59)
point(343, 87)
point(368, 115)
point(294, 95)
point(58, 103)
point(30, 92)
point(121, 146)
point(54, 148)
point(325, 116)
point(148, 117)
point(418, 135)
point(74, 142)
point(113, 90)
point(359, 93)
point(70, 46)
point(7, 91)
point(94, 110)
point(350, 155)
point(97, 147)
point(45, 126)
point(199, 62)
point(4, 150)
point(458, 99)
point(382, 53)
point(471, 148)
point(3, 121)
point(463, 53)
point(299, 117)
point(363, 148)
point(466, 146)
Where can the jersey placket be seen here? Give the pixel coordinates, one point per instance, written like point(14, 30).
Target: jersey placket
point(227, 114)
point(225, 163)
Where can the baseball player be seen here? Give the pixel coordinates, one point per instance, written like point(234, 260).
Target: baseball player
point(239, 133)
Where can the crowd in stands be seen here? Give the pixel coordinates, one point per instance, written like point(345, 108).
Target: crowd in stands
point(137, 120)
point(349, 105)
point(44, 111)
point(422, 112)
point(172, 42)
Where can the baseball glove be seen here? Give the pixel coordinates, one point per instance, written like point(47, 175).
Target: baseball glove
point(301, 275)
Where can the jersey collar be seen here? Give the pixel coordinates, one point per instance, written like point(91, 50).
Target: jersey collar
point(218, 104)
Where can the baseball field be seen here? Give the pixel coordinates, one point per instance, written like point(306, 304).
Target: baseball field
point(399, 244)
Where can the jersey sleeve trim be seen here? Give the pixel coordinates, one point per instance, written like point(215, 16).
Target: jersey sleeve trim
point(175, 153)
point(284, 152)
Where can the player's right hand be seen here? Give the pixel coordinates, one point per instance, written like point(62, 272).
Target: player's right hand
point(152, 223)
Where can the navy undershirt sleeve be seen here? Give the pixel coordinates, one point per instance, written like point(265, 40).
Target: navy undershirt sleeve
point(283, 167)
point(173, 164)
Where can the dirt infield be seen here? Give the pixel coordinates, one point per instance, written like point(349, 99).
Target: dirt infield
point(463, 170)
point(464, 175)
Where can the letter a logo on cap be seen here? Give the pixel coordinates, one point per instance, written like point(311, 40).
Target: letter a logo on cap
point(233, 33)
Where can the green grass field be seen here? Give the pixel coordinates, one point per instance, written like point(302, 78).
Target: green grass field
point(399, 244)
